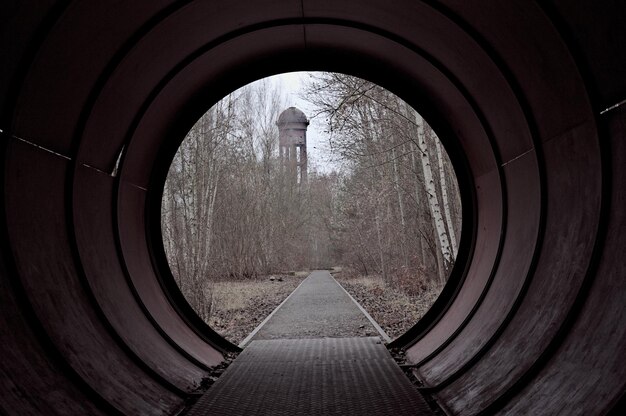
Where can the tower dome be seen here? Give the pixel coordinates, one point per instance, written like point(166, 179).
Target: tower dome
point(292, 125)
point(292, 115)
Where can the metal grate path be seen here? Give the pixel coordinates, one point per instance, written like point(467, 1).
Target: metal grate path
point(329, 376)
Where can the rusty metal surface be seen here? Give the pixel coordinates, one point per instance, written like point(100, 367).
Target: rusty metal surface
point(139, 75)
point(478, 279)
point(547, 302)
point(499, 82)
point(186, 91)
point(44, 260)
point(519, 244)
point(587, 374)
point(137, 260)
point(58, 105)
point(341, 376)
point(26, 357)
point(93, 191)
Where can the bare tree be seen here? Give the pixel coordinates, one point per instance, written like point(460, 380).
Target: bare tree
point(397, 199)
point(230, 211)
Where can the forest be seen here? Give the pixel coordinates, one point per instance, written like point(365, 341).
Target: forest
point(381, 201)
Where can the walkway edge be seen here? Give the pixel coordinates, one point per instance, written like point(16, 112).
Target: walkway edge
point(382, 333)
point(267, 318)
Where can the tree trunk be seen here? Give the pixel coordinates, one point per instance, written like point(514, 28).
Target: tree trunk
point(446, 201)
point(400, 207)
point(431, 192)
point(418, 204)
point(380, 247)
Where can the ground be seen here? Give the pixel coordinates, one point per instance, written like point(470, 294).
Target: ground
point(240, 306)
point(393, 309)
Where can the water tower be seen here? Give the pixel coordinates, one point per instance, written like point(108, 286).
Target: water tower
point(292, 125)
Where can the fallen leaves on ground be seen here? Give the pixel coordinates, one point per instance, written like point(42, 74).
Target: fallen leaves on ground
point(240, 306)
point(393, 309)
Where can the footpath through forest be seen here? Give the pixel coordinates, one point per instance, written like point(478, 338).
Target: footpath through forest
point(300, 362)
point(318, 308)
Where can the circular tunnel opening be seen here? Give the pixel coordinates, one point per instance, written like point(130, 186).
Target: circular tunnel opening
point(530, 118)
point(258, 195)
point(183, 97)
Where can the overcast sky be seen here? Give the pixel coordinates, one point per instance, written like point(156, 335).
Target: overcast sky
point(317, 141)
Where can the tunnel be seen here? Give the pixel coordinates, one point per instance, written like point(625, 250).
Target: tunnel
point(526, 96)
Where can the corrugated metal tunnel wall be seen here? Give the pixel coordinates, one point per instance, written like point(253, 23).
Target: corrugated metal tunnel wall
point(95, 96)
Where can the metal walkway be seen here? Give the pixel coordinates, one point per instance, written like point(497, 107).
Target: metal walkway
point(317, 373)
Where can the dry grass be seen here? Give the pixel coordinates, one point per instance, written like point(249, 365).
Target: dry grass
point(389, 304)
point(240, 306)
